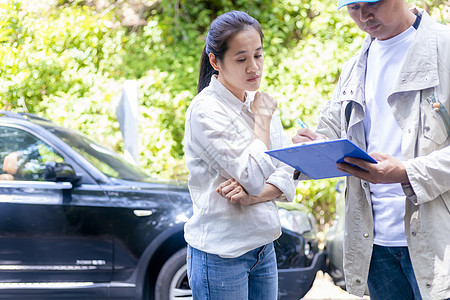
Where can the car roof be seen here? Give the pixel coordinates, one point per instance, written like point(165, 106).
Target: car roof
point(22, 116)
point(42, 127)
point(37, 124)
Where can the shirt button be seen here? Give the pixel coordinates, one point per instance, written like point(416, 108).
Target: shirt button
point(365, 184)
point(344, 92)
point(428, 285)
point(366, 235)
point(349, 138)
point(358, 281)
point(413, 233)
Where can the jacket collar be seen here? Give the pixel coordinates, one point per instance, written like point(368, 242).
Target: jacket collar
point(420, 70)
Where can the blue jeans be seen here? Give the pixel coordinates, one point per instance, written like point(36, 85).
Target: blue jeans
point(251, 276)
point(391, 275)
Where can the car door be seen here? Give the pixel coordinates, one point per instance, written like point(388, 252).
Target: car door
point(49, 231)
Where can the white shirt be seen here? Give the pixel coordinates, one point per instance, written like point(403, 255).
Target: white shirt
point(220, 144)
point(383, 133)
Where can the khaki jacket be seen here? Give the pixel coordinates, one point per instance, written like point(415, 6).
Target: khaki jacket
point(425, 149)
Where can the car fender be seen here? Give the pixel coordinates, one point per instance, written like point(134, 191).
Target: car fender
point(155, 250)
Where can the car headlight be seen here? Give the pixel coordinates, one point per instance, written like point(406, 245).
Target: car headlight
point(295, 220)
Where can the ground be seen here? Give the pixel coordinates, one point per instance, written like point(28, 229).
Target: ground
point(324, 289)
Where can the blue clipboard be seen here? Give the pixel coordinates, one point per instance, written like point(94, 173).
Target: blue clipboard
point(318, 159)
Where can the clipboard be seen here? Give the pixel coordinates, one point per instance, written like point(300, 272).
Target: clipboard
point(317, 159)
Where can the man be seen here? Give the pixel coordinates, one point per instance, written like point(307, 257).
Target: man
point(392, 100)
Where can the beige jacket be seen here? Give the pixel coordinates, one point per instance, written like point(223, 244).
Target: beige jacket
point(425, 148)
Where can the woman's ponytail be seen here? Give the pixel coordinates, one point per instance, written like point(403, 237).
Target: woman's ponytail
point(206, 71)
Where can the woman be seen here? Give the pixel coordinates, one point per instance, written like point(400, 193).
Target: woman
point(232, 182)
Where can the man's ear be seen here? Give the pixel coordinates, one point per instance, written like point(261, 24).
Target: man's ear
point(213, 61)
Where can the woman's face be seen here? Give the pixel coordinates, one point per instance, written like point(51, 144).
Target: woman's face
point(242, 65)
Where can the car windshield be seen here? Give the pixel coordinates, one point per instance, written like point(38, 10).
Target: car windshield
point(107, 161)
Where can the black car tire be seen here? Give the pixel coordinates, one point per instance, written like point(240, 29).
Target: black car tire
point(172, 282)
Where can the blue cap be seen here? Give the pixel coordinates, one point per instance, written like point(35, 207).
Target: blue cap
point(342, 3)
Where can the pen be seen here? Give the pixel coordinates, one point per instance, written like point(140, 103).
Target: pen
point(301, 123)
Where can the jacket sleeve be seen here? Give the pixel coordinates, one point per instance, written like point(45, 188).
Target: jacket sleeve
point(429, 172)
point(330, 115)
point(229, 149)
point(429, 176)
point(282, 177)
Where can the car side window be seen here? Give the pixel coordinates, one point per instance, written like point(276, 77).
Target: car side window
point(23, 156)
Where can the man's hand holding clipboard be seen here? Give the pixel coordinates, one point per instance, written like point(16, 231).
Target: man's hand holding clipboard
point(388, 169)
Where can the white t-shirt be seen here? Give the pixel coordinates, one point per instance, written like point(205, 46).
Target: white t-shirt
point(383, 134)
point(220, 144)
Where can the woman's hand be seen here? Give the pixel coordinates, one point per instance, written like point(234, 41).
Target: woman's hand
point(234, 192)
point(263, 105)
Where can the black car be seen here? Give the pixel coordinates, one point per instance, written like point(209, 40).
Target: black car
point(78, 222)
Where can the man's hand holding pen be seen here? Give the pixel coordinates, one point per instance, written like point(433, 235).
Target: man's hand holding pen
point(304, 134)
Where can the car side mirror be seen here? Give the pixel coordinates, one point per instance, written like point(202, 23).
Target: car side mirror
point(61, 172)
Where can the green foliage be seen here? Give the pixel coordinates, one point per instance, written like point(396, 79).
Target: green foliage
point(60, 71)
point(47, 58)
point(67, 63)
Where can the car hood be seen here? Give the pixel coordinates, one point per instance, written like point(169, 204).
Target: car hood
point(176, 194)
point(152, 183)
